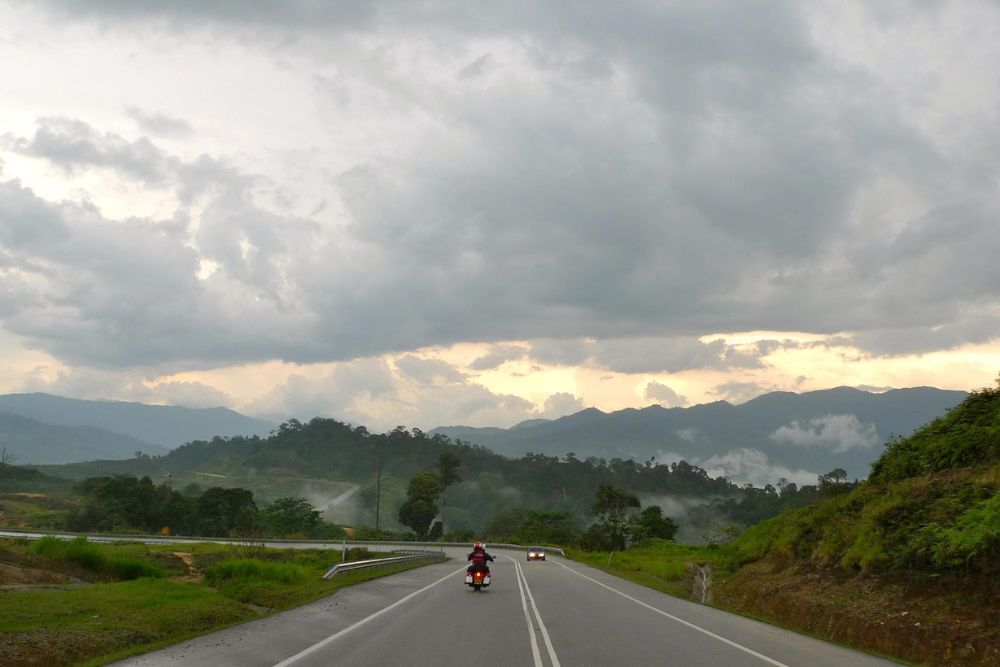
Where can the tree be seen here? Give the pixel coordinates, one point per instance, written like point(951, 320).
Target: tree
point(5, 460)
point(448, 465)
point(652, 524)
point(419, 509)
point(290, 516)
point(223, 511)
point(612, 505)
point(522, 525)
point(834, 481)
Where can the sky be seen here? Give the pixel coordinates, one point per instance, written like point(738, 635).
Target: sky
point(444, 213)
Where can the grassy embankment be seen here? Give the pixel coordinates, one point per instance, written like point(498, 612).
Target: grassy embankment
point(906, 564)
point(85, 603)
point(662, 565)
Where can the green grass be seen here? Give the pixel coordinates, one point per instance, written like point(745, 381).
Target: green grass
point(662, 565)
point(97, 559)
point(947, 522)
point(98, 623)
point(255, 570)
point(34, 513)
point(67, 625)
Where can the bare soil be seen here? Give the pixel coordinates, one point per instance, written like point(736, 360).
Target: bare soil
point(13, 575)
point(193, 575)
point(939, 621)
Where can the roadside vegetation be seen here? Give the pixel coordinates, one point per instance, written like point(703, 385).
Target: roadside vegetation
point(907, 563)
point(77, 602)
point(660, 564)
point(931, 507)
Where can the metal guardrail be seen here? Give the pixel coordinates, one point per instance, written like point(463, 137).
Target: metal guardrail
point(376, 562)
point(235, 540)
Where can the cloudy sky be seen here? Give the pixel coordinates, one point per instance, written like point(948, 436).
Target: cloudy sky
point(452, 212)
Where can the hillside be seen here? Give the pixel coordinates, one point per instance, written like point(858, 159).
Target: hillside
point(307, 459)
point(165, 425)
point(921, 536)
point(814, 431)
point(30, 441)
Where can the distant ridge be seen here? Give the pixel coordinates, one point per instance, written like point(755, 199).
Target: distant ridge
point(29, 441)
point(165, 425)
point(814, 431)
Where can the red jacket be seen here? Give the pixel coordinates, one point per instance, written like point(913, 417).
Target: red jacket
point(479, 558)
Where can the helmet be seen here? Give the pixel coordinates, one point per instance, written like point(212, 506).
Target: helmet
point(479, 546)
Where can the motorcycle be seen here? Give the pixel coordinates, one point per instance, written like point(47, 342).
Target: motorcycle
point(478, 579)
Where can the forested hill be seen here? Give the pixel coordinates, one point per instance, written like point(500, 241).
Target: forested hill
point(28, 441)
point(815, 431)
point(323, 459)
point(932, 505)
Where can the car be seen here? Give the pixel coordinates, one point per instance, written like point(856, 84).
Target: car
point(536, 553)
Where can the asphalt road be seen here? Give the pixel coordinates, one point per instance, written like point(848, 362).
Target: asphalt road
point(547, 614)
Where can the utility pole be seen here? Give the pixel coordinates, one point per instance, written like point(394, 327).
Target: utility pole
point(378, 489)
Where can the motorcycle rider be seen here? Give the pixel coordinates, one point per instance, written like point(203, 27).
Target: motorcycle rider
point(479, 558)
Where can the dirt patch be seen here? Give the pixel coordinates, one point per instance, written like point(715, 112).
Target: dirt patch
point(193, 575)
point(929, 622)
point(13, 575)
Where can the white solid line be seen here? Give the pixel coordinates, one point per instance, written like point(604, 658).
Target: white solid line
point(679, 620)
point(541, 624)
point(535, 654)
point(320, 644)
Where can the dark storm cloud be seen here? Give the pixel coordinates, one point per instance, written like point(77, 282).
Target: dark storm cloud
point(291, 13)
point(497, 356)
point(632, 178)
point(428, 371)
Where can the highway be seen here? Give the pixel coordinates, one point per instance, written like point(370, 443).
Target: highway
point(544, 614)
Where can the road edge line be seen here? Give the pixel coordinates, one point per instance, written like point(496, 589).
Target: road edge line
point(689, 624)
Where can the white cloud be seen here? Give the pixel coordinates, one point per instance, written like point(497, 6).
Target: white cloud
point(752, 465)
point(690, 433)
point(740, 391)
point(664, 395)
point(561, 404)
point(836, 433)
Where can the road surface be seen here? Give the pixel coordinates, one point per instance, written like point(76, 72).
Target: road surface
point(545, 614)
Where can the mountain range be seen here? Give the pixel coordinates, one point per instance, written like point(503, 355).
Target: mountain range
point(41, 428)
point(780, 434)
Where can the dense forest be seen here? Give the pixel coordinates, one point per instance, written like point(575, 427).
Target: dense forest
point(486, 486)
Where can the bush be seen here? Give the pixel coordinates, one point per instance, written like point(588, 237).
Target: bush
point(246, 569)
point(90, 556)
point(968, 435)
point(125, 568)
point(974, 541)
point(78, 551)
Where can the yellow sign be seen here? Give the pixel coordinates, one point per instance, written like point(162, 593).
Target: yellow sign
point(165, 531)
